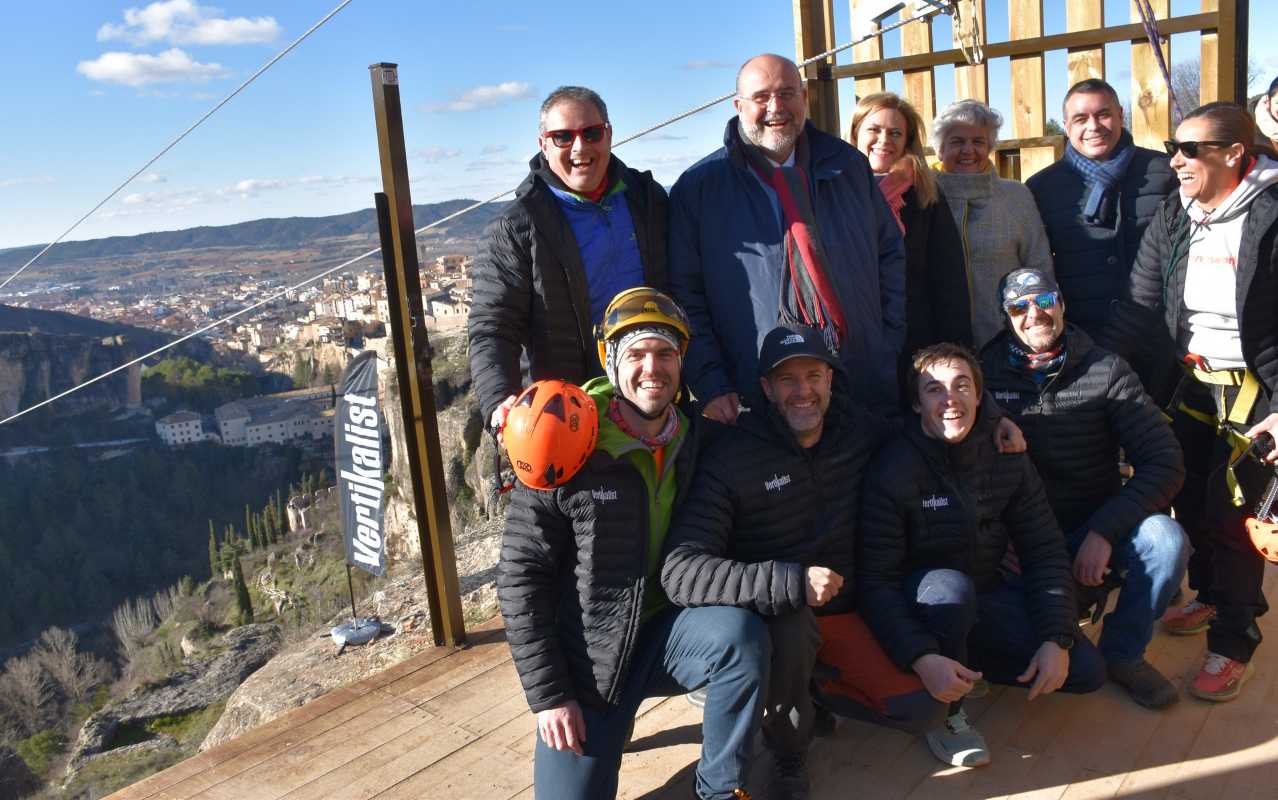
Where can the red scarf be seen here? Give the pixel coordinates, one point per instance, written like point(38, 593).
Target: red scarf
point(894, 185)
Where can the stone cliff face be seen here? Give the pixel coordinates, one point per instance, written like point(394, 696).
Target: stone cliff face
point(34, 366)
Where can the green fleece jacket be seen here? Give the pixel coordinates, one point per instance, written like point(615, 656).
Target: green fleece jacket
point(661, 489)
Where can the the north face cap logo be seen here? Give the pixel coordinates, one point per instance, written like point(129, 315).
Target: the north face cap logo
point(793, 338)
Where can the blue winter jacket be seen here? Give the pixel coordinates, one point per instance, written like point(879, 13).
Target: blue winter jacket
point(726, 258)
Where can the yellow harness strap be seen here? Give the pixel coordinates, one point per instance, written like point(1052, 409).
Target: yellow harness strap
point(1225, 419)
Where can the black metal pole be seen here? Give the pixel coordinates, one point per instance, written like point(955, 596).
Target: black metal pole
point(350, 586)
point(413, 363)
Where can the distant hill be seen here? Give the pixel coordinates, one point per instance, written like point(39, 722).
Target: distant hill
point(275, 234)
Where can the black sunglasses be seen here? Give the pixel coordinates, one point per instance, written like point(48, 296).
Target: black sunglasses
point(1190, 149)
point(564, 137)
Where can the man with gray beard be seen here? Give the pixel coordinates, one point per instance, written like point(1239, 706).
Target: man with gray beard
point(784, 225)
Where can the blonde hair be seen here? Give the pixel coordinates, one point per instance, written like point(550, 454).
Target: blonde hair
point(912, 160)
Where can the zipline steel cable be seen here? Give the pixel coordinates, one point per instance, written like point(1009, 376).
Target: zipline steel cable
point(179, 138)
point(331, 270)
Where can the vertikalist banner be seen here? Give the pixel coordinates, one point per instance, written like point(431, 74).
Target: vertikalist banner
point(359, 464)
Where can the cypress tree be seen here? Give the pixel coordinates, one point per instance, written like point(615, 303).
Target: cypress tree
point(214, 558)
point(248, 527)
point(243, 602)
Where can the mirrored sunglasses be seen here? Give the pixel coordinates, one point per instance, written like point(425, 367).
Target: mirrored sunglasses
point(564, 137)
point(1045, 301)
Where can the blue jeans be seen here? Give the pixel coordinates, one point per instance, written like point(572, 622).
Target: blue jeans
point(727, 650)
point(1005, 639)
point(1153, 560)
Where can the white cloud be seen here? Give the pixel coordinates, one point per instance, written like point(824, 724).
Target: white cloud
point(250, 187)
point(187, 22)
point(33, 180)
point(662, 137)
point(140, 69)
point(436, 154)
point(151, 177)
point(479, 97)
point(491, 149)
point(491, 163)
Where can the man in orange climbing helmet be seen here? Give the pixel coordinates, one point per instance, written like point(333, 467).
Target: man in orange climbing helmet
point(591, 632)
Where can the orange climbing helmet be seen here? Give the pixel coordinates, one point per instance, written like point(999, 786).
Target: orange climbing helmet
point(1264, 537)
point(550, 432)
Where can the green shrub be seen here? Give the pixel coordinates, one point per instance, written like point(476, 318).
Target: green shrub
point(40, 750)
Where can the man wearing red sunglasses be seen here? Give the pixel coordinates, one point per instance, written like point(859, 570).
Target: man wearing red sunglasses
point(583, 227)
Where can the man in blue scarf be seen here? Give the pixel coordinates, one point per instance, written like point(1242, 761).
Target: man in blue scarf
point(1097, 201)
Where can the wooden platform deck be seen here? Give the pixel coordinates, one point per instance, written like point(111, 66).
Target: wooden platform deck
point(453, 724)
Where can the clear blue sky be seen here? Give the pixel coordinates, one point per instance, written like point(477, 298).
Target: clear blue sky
point(96, 88)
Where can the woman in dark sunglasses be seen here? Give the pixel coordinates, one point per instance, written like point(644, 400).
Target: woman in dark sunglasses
point(1208, 266)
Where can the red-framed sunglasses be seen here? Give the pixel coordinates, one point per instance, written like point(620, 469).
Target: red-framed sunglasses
point(564, 137)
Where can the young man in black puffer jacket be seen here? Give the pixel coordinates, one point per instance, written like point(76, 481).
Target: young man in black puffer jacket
point(939, 508)
point(1078, 405)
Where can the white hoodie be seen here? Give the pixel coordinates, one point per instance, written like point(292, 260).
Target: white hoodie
point(1211, 276)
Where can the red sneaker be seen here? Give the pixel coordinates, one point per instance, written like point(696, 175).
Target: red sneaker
point(1220, 679)
point(1193, 617)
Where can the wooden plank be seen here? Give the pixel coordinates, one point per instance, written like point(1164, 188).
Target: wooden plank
point(813, 34)
point(1208, 61)
point(1151, 111)
point(1029, 113)
point(920, 84)
point(424, 686)
point(399, 756)
point(320, 755)
point(865, 52)
point(1085, 62)
point(1229, 54)
point(1061, 41)
point(972, 80)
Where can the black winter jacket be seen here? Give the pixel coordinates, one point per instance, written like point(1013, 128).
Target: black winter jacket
point(530, 292)
point(573, 574)
point(937, 307)
point(1094, 262)
point(928, 505)
point(762, 509)
point(1256, 293)
point(1075, 424)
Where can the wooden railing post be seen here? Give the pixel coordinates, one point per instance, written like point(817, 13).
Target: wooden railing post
point(869, 50)
point(1151, 111)
point(972, 81)
point(1086, 62)
point(920, 84)
point(814, 33)
point(1025, 21)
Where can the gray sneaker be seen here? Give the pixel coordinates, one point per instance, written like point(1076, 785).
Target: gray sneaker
point(958, 744)
point(697, 699)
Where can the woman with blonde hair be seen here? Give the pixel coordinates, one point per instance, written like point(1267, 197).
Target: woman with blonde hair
point(890, 133)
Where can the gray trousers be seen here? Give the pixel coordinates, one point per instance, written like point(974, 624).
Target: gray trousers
point(788, 715)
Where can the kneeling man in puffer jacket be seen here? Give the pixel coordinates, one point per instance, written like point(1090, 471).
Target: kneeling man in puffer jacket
point(939, 507)
point(768, 526)
point(1078, 405)
point(591, 633)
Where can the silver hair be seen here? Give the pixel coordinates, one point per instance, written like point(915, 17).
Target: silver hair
point(579, 94)
point(965, 112)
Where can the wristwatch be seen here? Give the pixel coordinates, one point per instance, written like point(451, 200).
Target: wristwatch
point(1064, 642)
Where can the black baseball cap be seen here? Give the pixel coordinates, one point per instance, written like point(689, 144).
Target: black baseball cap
point(1020, 282)
point(783, 343)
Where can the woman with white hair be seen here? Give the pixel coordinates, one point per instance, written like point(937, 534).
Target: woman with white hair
point(997, 218)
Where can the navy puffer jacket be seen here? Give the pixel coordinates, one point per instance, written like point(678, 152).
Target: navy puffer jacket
point(1093, 262)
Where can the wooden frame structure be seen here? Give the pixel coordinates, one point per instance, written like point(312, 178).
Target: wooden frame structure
point(1222, 26)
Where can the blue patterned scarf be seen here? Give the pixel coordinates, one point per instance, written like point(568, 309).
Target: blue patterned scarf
point(1038, 367)
point(1100, 177)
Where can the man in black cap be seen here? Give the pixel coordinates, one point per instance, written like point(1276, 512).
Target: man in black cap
point(1078, 404)
point(769, 522)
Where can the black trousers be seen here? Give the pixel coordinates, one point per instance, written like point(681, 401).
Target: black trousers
point(1225, 569)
